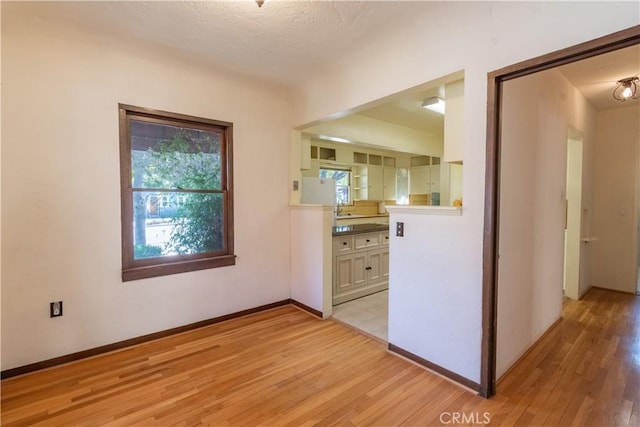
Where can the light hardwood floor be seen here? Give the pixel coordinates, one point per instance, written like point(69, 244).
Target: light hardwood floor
point(285, 367)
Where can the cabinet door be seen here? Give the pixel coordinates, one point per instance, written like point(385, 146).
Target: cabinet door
point(374, 267)
point(420, 180)
point(344, 274)
point(313, 171)
point(374, 175)
point(359, 269)
point(389, 183)
point(435, 178)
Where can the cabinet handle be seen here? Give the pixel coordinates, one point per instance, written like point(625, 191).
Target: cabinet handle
point(386, 237)
point(344, 243)
point(368, 268)
point(368, 240)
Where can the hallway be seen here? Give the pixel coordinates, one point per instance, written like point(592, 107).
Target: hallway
point(584, 371)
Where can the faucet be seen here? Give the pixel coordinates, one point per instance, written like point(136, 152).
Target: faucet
point(339, 209)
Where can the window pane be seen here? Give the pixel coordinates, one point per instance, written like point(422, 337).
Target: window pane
point(402, 186)
point(342, 194)
point(172, 223)
point(341, 176)
point(170, 157)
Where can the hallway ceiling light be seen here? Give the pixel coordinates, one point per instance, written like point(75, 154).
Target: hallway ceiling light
point(260, 2)
point(627, 89)
point(434, 103)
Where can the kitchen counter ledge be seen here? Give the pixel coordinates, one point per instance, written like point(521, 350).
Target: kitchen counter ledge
point(343, 230)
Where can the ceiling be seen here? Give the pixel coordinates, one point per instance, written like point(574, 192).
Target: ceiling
point(283, 40)
point(280, 41)
point(407, 112)
point(596, 77)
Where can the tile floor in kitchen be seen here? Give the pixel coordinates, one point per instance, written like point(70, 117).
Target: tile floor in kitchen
point(369, 314)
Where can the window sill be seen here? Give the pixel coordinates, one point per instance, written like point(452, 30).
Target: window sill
point(168, 268)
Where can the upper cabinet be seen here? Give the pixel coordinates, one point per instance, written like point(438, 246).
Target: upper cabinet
point(368, 176)
point(425, 179)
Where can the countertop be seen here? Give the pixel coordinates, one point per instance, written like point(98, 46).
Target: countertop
point(343, 230)
point(349, 216)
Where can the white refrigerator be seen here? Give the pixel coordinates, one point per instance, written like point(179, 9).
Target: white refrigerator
point(316, 191)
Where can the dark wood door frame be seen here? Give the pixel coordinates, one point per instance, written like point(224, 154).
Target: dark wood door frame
point(615, 41)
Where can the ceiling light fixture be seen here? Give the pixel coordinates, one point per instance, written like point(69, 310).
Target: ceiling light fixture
point(627, 89)
point(260, 2)
point(434, 103)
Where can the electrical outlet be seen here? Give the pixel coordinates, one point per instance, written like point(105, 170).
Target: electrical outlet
point(55, 309)
point(400, 229)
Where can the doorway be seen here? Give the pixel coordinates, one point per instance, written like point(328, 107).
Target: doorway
point(494, 185)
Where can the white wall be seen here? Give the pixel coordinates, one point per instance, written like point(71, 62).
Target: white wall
point(614, 256)
point(311, 256)
point(537, 112)
point(61, 189)
point(433, 309)
point(454, 122)
point(476, 37)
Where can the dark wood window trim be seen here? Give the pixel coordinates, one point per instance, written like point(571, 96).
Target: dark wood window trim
point(159, 266)
point(615, 41)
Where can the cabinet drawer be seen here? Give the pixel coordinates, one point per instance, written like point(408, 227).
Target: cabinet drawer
point(367, 240)
point(342, 244)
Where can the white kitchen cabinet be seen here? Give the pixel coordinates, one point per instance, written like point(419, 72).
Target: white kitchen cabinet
point(420, 180)
point(389, 178)
point(351, 274)
point(435, 178)
point(361, 265)
point(313, 169)
point(359, 183)
point(375, 181)
point(425, 178)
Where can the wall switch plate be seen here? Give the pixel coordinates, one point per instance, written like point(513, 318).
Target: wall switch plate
point(55, 309)
point(399, 229)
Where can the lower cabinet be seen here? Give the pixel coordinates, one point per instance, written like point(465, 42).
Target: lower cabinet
point(361, 265)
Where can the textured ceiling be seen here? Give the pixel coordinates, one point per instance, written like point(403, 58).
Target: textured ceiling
point(277, 42)
point(284, 40)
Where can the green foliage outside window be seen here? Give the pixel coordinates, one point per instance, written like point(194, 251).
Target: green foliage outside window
point(188, 161)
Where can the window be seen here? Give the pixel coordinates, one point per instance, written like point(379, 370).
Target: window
point(402, 186)
point(177, 198)
point(343, 180)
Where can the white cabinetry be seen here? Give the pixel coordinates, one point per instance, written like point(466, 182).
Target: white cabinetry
point(359, 183)
point(419, 180)
point(425, 177)
point(374, 175)
point(389, 183)
point(361, 265)
point(435, 179)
